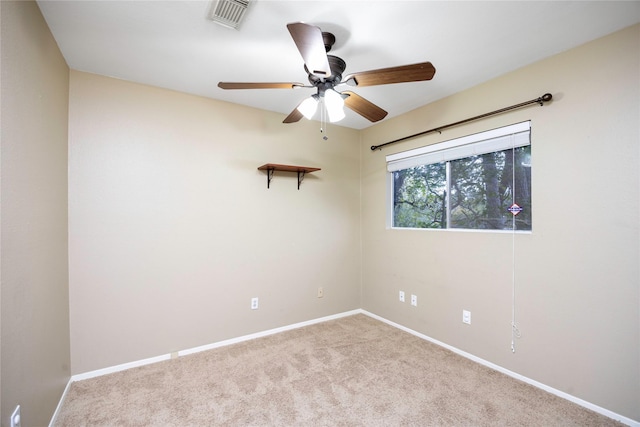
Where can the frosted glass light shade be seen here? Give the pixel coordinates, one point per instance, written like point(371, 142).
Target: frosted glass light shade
point(334, 104)
point(308, 107)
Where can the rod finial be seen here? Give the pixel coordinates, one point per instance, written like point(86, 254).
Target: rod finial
point(546, 97)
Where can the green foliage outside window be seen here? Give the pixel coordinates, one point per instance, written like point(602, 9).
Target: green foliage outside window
point(480, 191)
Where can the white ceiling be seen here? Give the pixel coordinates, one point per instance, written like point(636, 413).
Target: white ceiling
point(171, 44)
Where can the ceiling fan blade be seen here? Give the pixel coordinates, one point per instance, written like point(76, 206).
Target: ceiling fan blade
point(406, 73)
point(365, 108)
point(293, 117)
point(308, 39)
point(235, 85)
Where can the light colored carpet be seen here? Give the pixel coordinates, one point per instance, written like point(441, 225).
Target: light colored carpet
point(353, 371)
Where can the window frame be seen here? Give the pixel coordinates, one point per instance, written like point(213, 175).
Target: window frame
point(519, 135)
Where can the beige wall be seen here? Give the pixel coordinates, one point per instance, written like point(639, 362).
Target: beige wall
point(33, 173)
point(576, 275)
point(173, 230)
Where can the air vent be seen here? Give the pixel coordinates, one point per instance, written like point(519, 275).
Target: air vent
point(228, 12)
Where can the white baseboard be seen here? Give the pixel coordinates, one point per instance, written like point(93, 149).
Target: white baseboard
point(267, 333)
point(118, 368)
point(135, 364)
point(64, 394)
point(125, 366)
point(562, 394)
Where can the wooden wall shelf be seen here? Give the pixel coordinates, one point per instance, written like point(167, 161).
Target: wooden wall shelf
point(300, 170)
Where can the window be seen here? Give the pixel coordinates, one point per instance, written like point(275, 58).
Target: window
point(479, 182)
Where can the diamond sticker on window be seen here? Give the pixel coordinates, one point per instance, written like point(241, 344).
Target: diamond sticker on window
point(515, 209)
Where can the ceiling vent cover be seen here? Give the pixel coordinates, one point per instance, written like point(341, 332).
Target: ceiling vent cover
point(228, 12)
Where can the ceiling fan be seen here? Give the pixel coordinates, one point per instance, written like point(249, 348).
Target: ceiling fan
point(325, 74)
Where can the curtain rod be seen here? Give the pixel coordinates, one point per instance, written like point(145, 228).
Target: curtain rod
point(541, 100)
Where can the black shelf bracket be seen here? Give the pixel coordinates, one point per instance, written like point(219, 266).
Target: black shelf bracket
point(270, 176)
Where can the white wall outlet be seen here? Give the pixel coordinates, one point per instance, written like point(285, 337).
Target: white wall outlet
point(15, 417)
point(320, 292)
point(466, 317)
point(414, 300)
point(401, 296)
point(254, 303)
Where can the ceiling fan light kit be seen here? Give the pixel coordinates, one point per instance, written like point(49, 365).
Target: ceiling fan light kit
point(325, 75)
point(331, 101)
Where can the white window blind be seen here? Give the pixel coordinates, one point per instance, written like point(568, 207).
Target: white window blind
point(516, 135)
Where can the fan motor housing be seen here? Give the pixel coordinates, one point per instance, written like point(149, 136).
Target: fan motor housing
point(337, 66)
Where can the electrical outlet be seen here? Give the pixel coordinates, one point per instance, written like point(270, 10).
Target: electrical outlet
point(401, 296)
point(466, 317)
point(254, 303)
point(320, 292)
point(414, 300)
point(15, 417)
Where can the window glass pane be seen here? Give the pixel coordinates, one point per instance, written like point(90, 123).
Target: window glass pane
point(482, 190)
point(522, 158)
point(419, 197)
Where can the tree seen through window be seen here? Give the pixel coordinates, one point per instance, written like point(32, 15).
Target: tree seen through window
point(481, 189)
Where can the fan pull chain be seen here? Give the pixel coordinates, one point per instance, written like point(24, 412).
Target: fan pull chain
point(323, 120)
